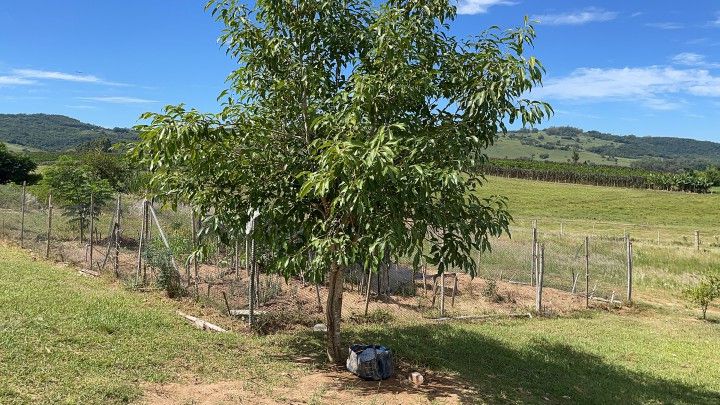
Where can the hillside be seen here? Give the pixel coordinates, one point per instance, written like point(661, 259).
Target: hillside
point(54, 132)
point(558, 143)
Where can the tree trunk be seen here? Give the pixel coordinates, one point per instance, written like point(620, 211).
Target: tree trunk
point(333, 312)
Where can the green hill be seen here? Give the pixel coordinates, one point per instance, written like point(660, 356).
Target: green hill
point(54, 132)
point(558, 143)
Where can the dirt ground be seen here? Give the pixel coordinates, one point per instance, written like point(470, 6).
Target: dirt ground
point(331, 387)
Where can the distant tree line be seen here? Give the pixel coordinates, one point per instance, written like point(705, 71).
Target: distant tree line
point(600, 175)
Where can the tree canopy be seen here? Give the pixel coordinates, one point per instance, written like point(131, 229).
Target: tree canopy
point(15, 168)
point(357, 132)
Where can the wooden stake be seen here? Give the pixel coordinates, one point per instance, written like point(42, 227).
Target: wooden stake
point(195, 246)
point(541, 271)
point(227, 304)
point(236, 258)
point(455, 287)
point(629, 269)
point(49, 227)
point(442, 295)
point(92, 227)
point(587, 272)
point(141, 240)
point(367, 293)
point(116, 235)
point(533, 266)
point(22, 215)
point(697, 240)
point(251, 292)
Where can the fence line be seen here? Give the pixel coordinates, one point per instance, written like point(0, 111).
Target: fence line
point(148, 247)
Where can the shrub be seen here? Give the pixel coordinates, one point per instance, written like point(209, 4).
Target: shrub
point(490, 291)
point(704, 293)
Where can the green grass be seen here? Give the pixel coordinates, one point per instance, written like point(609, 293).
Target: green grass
point(69, 338)
point(644, 357)
point(592, 204)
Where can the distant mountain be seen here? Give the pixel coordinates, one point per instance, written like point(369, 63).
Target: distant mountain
point(558, 144)
point(55, 132)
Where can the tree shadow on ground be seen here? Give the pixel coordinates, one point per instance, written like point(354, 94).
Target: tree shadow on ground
point(492, 372)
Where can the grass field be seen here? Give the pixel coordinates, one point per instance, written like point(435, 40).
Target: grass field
point(590, 205)
point(68, 338)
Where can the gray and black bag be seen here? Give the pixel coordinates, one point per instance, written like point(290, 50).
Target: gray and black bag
point(370, 362)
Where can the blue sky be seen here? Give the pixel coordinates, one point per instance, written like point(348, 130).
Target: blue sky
point(645, 67)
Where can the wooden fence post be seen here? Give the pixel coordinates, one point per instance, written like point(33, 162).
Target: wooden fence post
point(541, 271)
point(697, 240)
point(629, 269)
point(587, 272)
point(193, 227)
point(92, 227)
point(141, 242)
point(22, 215)
point(442, 295)
point(533, 266)
point(116, 236)
point(49, 227)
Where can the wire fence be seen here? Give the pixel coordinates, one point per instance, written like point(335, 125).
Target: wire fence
point(149, 247)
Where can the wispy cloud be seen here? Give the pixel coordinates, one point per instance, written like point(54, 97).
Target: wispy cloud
point(665, 25)
point(69, 77)
point(14, 81)
point(480, 6)
point(694, 59)
point(118, 100)
point(585, 16)
point(650, 85)
point(82, 107)
point(716, 21)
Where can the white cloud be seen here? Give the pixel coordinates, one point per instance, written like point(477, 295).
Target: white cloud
point(50, 75)
point(14, 81)
point(694, 59)
point(480, 6)
point(588, 15)
point(648, 85)
point(118, 100)
point(82, 107)
point(716, 22)
point(665, 25)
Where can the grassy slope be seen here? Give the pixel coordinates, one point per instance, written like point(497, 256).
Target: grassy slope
point(69, 338)
point(514, 149)
point(556, 201)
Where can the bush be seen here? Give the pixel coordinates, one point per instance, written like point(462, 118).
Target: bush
point(490, 291)
point(704, 294)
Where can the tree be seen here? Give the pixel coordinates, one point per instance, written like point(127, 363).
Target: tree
point(72, 185)
point(575, 156)
point(704, 294)
point(15, 168)
point(357, 131)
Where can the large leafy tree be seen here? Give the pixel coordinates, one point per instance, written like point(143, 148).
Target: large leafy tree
point(357, 132)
